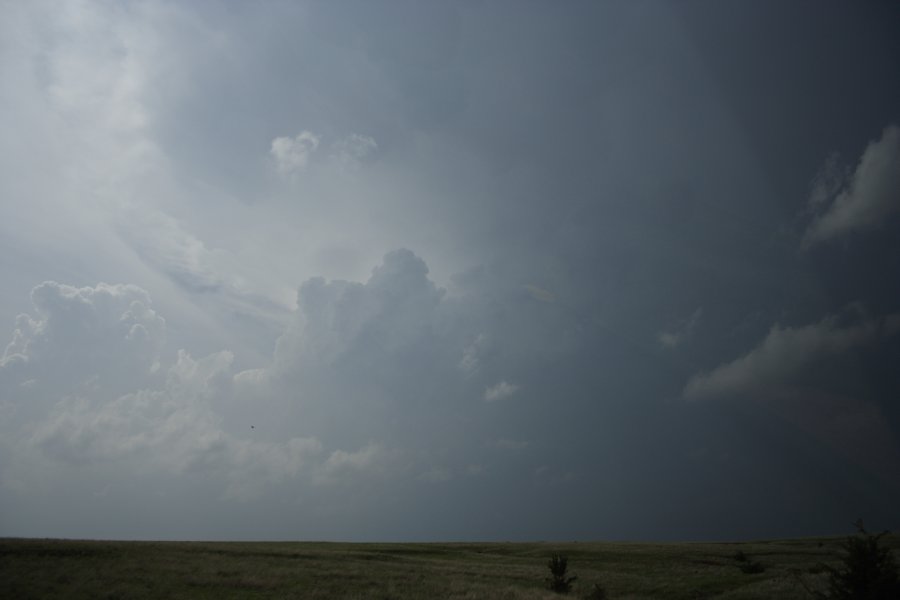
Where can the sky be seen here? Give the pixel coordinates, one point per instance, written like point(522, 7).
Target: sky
point(434, 271)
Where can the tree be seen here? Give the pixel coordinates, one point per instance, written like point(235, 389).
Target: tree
point(869, 571)
point(558, 582)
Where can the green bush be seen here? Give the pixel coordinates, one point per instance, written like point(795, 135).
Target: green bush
point(558, 582)
point(869, 571)
point(750, 567)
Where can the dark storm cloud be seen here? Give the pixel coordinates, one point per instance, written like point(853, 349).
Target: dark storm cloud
point(610, 210)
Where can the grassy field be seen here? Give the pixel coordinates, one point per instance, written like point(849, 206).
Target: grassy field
point(123, 570)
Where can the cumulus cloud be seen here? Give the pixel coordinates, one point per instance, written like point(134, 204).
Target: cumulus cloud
point(76, 334)
point(783, 352)
point(355, 363)
point(172, 430)
point(67, 366)
point(861, 201)
point(500, 391)
point(370, 383)
point(291, 154)
point(156, 423)
point(84, 380)
point(389, 313)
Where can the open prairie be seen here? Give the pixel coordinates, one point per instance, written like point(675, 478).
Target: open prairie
point(32, 568)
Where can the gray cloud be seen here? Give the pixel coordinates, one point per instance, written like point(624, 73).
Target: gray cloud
point(577, 199)
point(64, 374)
point(371, 383)
point(391, 313)
point(784, 351)
point(865, 200)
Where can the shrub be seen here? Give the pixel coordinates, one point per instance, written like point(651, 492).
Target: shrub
point(869, 571)
point(750, 567)
point(558, 582)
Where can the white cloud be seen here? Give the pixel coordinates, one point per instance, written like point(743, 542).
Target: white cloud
point(342, 465)
point(353, 149)
point(292, 154)
point(172, 425)
point(76, 334)
point(470, 362)
point(358, 393)
point(82, 388)
point(784, 351)
point(870, 196)
point(500, 391)
point(164, 244)
point(172, 430)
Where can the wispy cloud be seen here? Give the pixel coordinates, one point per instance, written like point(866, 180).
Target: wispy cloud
point(862, 201)
point(500, 391)
point(681, 331)
point(353, 149)
point(784, 351)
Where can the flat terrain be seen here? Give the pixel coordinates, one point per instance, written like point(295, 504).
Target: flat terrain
point(123, 570)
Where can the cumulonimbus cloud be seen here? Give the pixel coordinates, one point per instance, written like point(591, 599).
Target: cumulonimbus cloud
point(866, 200)
point(360, 385)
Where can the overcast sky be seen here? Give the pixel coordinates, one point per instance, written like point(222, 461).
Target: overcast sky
point(449, 271)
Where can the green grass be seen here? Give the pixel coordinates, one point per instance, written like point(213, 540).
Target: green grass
point(126, 570)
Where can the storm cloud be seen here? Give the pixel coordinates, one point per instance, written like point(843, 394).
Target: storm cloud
point(413, 271)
